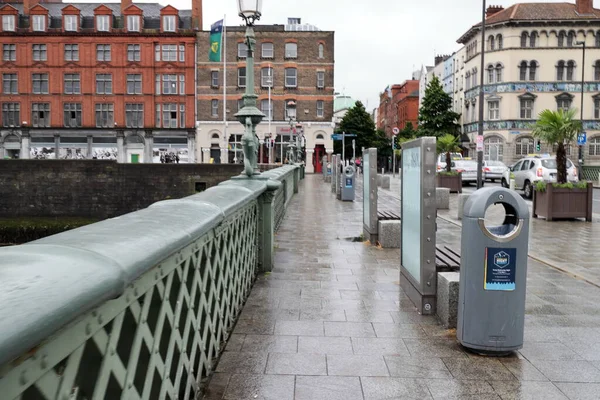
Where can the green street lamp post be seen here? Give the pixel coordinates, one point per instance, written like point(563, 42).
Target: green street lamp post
point(250, 116)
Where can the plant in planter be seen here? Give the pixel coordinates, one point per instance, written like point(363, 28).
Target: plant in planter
point(562, 199)
point(447, 178)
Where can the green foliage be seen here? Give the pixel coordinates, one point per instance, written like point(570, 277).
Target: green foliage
point(445, 145)
point(359, 122)
point(448, 173)
point(558, 128)
point(436, 117)
point(541, 186)
point(23, 230)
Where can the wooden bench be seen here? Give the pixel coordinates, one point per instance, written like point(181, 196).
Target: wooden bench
point(446, 259)
point(387, 215)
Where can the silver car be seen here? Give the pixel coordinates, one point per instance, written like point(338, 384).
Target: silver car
point(467, 168)
point(494, 170)
point(530, 170)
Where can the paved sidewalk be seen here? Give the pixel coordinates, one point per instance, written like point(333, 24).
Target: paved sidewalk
point(330, 322)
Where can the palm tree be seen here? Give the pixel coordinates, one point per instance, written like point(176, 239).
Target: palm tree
point(447, 144)
point(558, 128)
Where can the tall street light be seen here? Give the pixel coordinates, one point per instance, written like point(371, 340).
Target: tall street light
point(481, 78)
point(250, 116)
point(581, 43)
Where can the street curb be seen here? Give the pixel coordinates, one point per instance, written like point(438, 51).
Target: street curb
point(542, 260)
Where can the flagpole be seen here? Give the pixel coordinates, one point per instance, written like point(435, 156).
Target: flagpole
point(224, 54)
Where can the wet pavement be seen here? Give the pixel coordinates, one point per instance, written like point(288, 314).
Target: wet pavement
point(331, 322)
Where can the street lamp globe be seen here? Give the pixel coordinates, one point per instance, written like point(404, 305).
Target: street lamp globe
point(250, 10)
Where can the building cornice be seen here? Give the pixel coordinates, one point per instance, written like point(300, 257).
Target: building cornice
point(533, 87)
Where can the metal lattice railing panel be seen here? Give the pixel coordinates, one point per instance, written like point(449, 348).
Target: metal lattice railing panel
point(591, 173)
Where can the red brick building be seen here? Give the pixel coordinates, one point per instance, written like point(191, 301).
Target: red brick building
point(85, 80)
point(398, 104)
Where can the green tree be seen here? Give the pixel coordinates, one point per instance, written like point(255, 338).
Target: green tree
point(558, 128)
point(359, 122)
point(447, 144)
point(436, 117)
point(406, 134)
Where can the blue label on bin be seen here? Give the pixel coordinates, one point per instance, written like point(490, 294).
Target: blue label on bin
point(348, 182)
point(500, 269)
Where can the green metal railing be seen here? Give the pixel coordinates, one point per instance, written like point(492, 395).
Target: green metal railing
point(591, 173)
point(139, 306)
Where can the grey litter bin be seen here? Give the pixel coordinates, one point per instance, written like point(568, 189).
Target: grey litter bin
point(493, 273)
point(348, 182)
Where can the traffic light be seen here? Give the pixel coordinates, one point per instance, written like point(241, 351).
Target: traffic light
point(538, 145)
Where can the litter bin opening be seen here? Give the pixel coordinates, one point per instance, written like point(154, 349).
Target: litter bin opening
point(510, 227)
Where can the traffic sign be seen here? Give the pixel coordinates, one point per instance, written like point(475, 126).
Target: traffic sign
point(336, 136)
point(581, 139)
point(396, 131)
point(479, 143)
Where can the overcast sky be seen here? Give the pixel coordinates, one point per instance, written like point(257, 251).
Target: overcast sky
point(377, 42)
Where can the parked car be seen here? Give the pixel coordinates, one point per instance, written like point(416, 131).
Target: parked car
point(441, 160)
point(494, 170)
point(530, 170)
point(468, 168)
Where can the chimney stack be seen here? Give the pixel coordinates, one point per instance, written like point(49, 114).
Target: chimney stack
point(584, 6)
point(491, 10)
point(124, 5)
point(27, 4)
point(197, 14)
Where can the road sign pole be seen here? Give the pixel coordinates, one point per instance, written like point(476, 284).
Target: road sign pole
point(353, 149)
point(394, 156)
point(344, 148)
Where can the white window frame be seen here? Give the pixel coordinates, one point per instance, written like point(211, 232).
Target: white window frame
point(168, 53)
point(267, 48)
point(181, 84)
point(321, 79)
point(290, 111)
point(241, 77)
point(181, 53)
point(494, 110)
point(214, 79)
point(135, 50)
point(168, 23)
point(135, 81)
point(41, 50)
point(214, 108)
point(526, 108)
point(294, 77)
point(264, 77)
point(38, 23)
point(103, 23)
point(71, 23)
point(133, 23)
point(321, 109)
point(242, 50)
point(8, 23)
point(268, 110)
point(292, 51)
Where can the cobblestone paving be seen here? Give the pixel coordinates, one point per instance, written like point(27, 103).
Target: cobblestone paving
point(331, 322)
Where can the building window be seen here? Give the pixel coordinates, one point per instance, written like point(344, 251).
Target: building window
point(134, 52)
point(157, 52)
point(571, 39)
point(473, 113)
point(240, 104)
point(598, 39)
point(499, 41)
point(524, 39)
point(524, 146)
point(40, 115)
point(321, 50)
point(523, 71)
point(597, 108)
point(468, 80)
point(102, 23)
point(597, 70)
point(8, 23)
point(39, 23)
point(181, 53)
point(474, 78)
point(10, 84)
point(290, 110)
point(560, 71)
point(563, 101)
point(242, 50)
point(526, 108)
point(242, 77)
point(103, 84)
point(133, 23)
point(466, 115)
point(71, 52)
point(291, 50)
point(169, 84)
point(11, 114)
point(266, 107)
point(181, 84)
point(320, 108)
point(39, 52)
point(103, 52)
point(168, 23)
point(266, 77)
point(561, 39)
point(105, 116)
point(71, 23)
point(267, 50)
point(214, 108)
point(40, 83)
point(169, 52)
point(72, 84)
point(170, 119)
point(9, 52)
point(134, 83)
point(214, 79)
point(499, 73)
point(72, 115)
point(533, 39)
point(532, 70)
point(594, 146)
point(491, 73)
point(291, 77)
point(491, 43)
point(494, 110)
point(320, 79)
point(134, 115)
point(493, 149)
point(570, 70)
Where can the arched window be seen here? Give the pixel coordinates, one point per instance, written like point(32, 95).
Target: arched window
point(499, 72)
point(597, 70)
point(320, 137)
point(571, 39)
point(560, 71)
point(561, 38)
point(524, 145)
point(493, 148)
point(532, 70)
point(523, 71)
point(570, 70)
point(490, 71)
point(474, 77)
point(468, 80)
point(524, 38)
point(321, 50)
point(499, 41)
point(215, 136)
point(594, 146)
point(491, 43)
point(533, 39)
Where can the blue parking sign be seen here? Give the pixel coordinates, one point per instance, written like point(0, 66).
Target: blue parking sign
point(581, 139)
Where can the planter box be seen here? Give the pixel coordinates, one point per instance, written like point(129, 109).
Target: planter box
point(559, 203)
point(452, 182)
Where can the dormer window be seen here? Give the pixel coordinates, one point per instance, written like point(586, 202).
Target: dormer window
point(102, 23)
point(169, 23)
point(71, 23)
point(133, 23)
point(8, 23)
point(39, 23)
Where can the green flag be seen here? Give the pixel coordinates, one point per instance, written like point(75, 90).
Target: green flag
point(216, 37)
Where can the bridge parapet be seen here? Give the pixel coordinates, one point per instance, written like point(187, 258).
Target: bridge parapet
point(138, 306)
